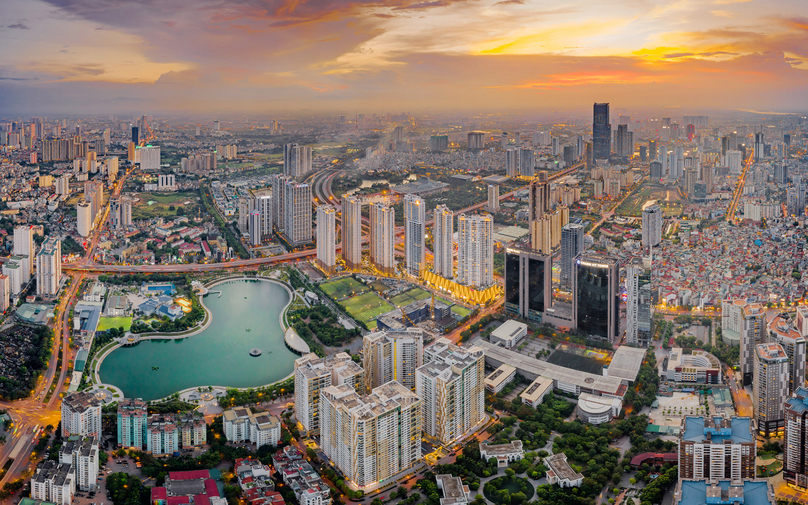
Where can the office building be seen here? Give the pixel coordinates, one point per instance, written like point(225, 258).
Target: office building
point(451, 388)
point(509, 334)
point(512, 162)
point(656, 172)
point(414, 234)
point(475, 251)
point(770, 387)
point(296, 160)
point(372, 438)
point(652, 223)
point(392, 356)
point(312, 375)
point(624, 140)
point(81, 415)
point(782, 331)
point(734, 161)
point(326, 238)
point(493, 198)
point(382, 238)
point(24, 243)
point(572, 244)
point(148, 157)
point(260, 428)
point(135, 135)
point(81, 453)
point(297, 213)
point(717, 448)
point(601, 132)
point(527, 163)
point(595, 296)
point(132, 416)
point(49, 268)
point(352, 231)
point(639, 303)
point(442, 233)
point(528, 284)
point(54, 483)
point(112, 167)
point(795, 445)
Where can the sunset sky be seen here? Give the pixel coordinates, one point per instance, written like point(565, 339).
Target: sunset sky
point(88, 56)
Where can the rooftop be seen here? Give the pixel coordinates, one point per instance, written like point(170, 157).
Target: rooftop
point(537, 389)
point(771, 352)
point(82, 401)
point(626, 362)
point(724, 492)
point(509, 330)
point(594, 404)
point(453, 489)
point(502, 449)
point(558, 464)
point(717, 430)
point(499, 375)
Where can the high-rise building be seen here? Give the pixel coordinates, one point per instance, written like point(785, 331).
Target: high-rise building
point(783, 332)
point(801, 322)
point(148, 157)
point(625, 143)
point(476, 140)
point(601, 132)
point(82, 455)
point(595, 296)
point(512, 162)
point(493, 198)
point(442, 233)
point(352, 231)
point(278, 207)
point(475, 251)
point(438, 143)
point(112, 167)
point(13, 271)
point(770, 387)
point(382, 238)
point(372, 438)
point(743, 324)
point(414, 234)
point(717, 448)
point(312, 375)
point(24, 243)
point(639, 303)
point(652, 222)
point(795, 446)
point(84, 218)
point(297, 213)
point(451, 387)
point(49, 268)
point(589, 152)
point(528, 283)
point(132, 415)
point(62, 184)
point(135, 135)
point(255, 228)
point(326, 237)
point(53, 483)
point(296, 160)
point(392, 356)
point(81, 415)
point(5, 292)
point(539, 200)
point(572, 244)
point(759, 146)
point(263, 204)
point(527, 164)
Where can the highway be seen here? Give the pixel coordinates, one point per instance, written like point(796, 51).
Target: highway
point(736, 195)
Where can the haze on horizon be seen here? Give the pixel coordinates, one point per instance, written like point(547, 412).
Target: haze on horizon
point(236, 56)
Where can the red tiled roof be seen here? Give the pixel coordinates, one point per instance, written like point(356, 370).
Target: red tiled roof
point(158, 493)
point(210, 488)
point(639, 459)
point(201, 499)
point(189, 475)
point(178, 500)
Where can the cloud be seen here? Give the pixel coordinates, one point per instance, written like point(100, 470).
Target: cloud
point(18, 26)
point(422, 5)
point(511, 2)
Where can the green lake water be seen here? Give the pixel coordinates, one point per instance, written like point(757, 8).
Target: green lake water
point(217, 356)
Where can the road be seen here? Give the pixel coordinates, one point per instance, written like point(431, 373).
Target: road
point(736, 196)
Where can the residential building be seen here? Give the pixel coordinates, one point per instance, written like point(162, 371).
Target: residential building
point(414, 234)
point(312, 375)
point(82, 454)
point(278, 204)
point(539, 193)
point(162, 435)
point(392, 356)
point(783, 332)
point(639, 303)
point(49, 268)
point(595, 296)
point(493, 198)
point(264, 205)
point(450, 386)
point(442, 233)
point(166, 182)
point(84, 218)
point(371, 438)
point(326, 238)
point(81, 415)
point(352, 231)
point(560, 472)
point(382, 238)
point(301, 478)
point(297, 213)
point(527, 162)
point(296, 160)
point(132, 417)
point(652, 222)
point(5, 292)
point(13, 272)
point(255, 228)
point(475, 252)
point(148, 157)
point(54, 483)
point(528, 283)
point(260, 428)
point(24, 243)
point(744, 323)
point(770, 387)
point(795, 445)
point(717, 448)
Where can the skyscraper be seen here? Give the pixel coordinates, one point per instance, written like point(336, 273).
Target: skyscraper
point(595, 296)
point(326, 254)
point(639, 315)
point(476, 140)
point(539, 200)
point(601, 132)
point(382, 238)
point(278, 208)
point(296, 160)
point(148, 157)
point(783, 332)
point(512, 162)
point(528, 283)
point(352, 231)
point(795, 446)
point(452, 389)
point(572, 244)
point(444, 244)
point(24, 244)
point(770, 387)
point(652, 222)
point(312, 375)
point(527, 167)
point(493, 198)
point(475, 257)
point(414, 234)
point(392, 356)
point(255, 228)
point(625, 143)
point(264, 205)
point(84, 218)
point(49, 268)
point(135, 135)
point(297, 213)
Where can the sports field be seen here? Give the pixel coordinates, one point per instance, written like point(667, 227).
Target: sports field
point(460, 310)
point(366, 308)
point(409, 296)
point(343, 288)
point(106, 323)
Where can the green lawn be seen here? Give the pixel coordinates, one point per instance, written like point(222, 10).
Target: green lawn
point(410, 296)
point(169, 198)
point(343, 288)
point(106, 323)
point(460, 310)
point(366, 308)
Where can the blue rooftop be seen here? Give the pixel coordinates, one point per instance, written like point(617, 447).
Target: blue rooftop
point(738, 430)
point(695, 493)
point(799, 402)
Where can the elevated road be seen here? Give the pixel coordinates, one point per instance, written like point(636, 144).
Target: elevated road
point(736, 195)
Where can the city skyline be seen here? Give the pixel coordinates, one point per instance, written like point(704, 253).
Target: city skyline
point(213, 57)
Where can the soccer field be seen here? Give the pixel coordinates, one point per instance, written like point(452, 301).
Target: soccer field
point(366, 308)
point(106, 323)
point(410, 296)
point(343, 288)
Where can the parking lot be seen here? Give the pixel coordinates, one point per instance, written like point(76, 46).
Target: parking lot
point(126, 465)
